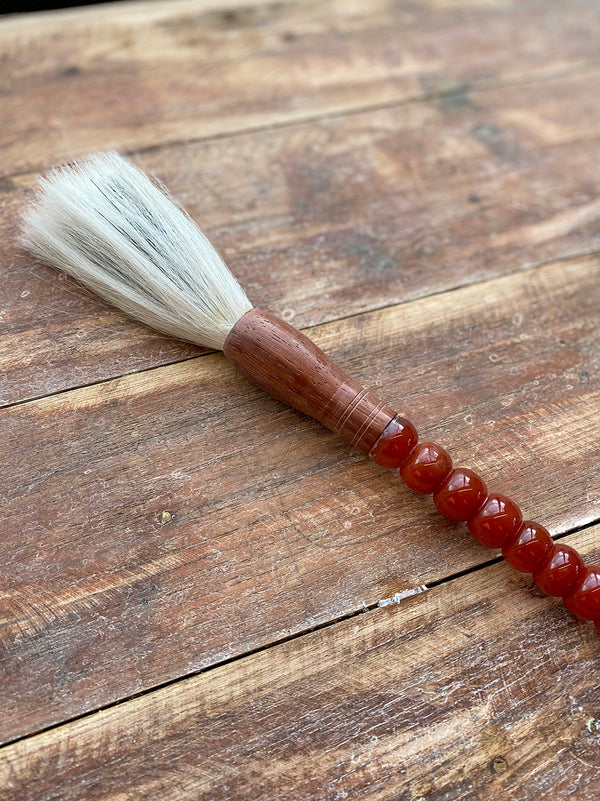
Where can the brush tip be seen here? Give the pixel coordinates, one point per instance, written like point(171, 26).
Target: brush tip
point(104, 222)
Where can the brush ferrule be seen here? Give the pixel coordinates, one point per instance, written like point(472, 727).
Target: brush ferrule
point(282, 361)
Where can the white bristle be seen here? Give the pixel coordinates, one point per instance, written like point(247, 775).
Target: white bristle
point(104, 222)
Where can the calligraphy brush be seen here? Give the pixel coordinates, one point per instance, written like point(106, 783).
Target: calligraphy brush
point(104, 222)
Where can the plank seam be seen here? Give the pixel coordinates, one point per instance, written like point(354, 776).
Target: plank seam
point(427, 97)
point(373, 607)
point(571, 257)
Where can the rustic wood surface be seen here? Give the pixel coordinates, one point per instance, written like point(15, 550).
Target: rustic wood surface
point(456, 693)
point(416, 184)
point(151, 73)
point(349, 214)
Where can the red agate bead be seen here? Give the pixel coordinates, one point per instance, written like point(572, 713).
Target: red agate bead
point(530, 549)
point(562, 572)
point(585, 601)
point(426, 467)
point(395, 443)
point(496, 521)
point(460, 494)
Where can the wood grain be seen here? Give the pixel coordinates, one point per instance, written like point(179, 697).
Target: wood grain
point(74, 82)
point(274, 525)
point(289, 366)
point(466, 691)
point(335, 218)
point(418, 182)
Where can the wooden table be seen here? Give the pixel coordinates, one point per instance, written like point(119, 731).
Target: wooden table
point(201, 590)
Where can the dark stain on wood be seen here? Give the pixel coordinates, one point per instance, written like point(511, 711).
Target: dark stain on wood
point(284, 207)
point(375, 53)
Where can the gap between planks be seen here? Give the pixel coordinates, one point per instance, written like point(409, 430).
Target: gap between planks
point(263, 649)
point(574, 257)
point(265, 19)
point(29, 177)
point(374, 238)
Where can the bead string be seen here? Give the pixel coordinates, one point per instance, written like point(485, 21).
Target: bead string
point(493, 519)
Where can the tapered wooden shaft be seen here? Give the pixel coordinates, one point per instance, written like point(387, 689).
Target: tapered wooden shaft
point(288, 365)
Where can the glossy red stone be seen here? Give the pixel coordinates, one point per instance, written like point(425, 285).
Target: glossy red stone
point(460, 494)
point(495, 523)
point(395, 443)
point(426, 467)
point(585, 601)
point(562, 572)
point(530, 549)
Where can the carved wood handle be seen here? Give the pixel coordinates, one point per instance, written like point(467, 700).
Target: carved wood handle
point(288, 365)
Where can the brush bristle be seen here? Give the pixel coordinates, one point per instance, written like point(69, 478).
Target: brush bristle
point(104, 222)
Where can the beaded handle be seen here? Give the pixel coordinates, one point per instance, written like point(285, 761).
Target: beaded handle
point(285, 363)
point(493, 519)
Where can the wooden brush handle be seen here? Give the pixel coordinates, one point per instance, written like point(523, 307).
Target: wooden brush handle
point(289, 366)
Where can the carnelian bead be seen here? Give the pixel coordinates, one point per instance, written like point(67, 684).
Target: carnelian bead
point(395, 443)
point(460, 494)
point(530, 549)
point(585, 601)
point(562, 572)
point(497, 520)
point(426, 467)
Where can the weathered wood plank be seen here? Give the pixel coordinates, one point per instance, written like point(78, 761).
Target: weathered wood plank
point(336, 218)
point(274, 525)
point(466, 692)
point(149, 73)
